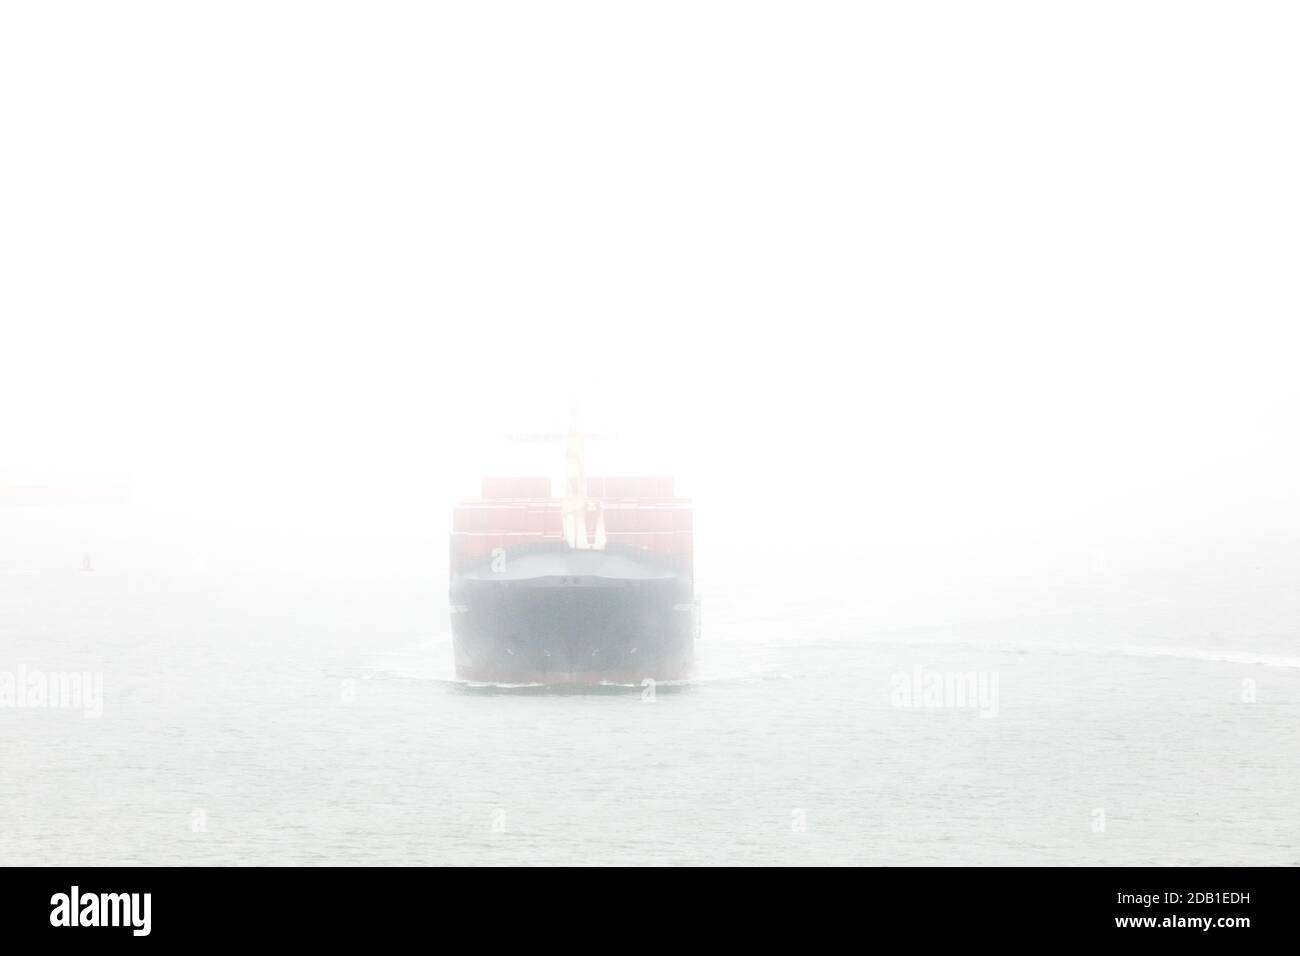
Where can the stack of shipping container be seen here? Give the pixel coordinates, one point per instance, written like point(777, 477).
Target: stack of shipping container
point(639, 512)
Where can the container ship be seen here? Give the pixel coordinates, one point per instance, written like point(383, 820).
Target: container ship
point(592, 587)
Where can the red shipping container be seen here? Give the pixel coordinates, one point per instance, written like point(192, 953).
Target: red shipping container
point(510, 519)
point(616, 519)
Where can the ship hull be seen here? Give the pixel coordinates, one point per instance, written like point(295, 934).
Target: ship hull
point(569, 617)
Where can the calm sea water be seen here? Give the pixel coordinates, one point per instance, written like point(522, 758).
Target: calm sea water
point(260, 718)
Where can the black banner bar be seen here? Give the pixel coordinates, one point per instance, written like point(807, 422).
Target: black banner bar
point(92, 907)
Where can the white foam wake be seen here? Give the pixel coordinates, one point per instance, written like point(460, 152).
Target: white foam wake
point(1220, 656)
point(429, 659)
point(716, 662)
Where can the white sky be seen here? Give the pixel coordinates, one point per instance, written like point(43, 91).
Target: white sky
point(925, 272)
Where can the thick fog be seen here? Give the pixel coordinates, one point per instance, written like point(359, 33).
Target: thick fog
point(968, 294)
point(968, 329)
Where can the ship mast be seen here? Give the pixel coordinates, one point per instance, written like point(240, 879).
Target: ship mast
point(577, 505)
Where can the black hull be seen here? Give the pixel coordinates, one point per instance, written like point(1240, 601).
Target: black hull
point(573, 617)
